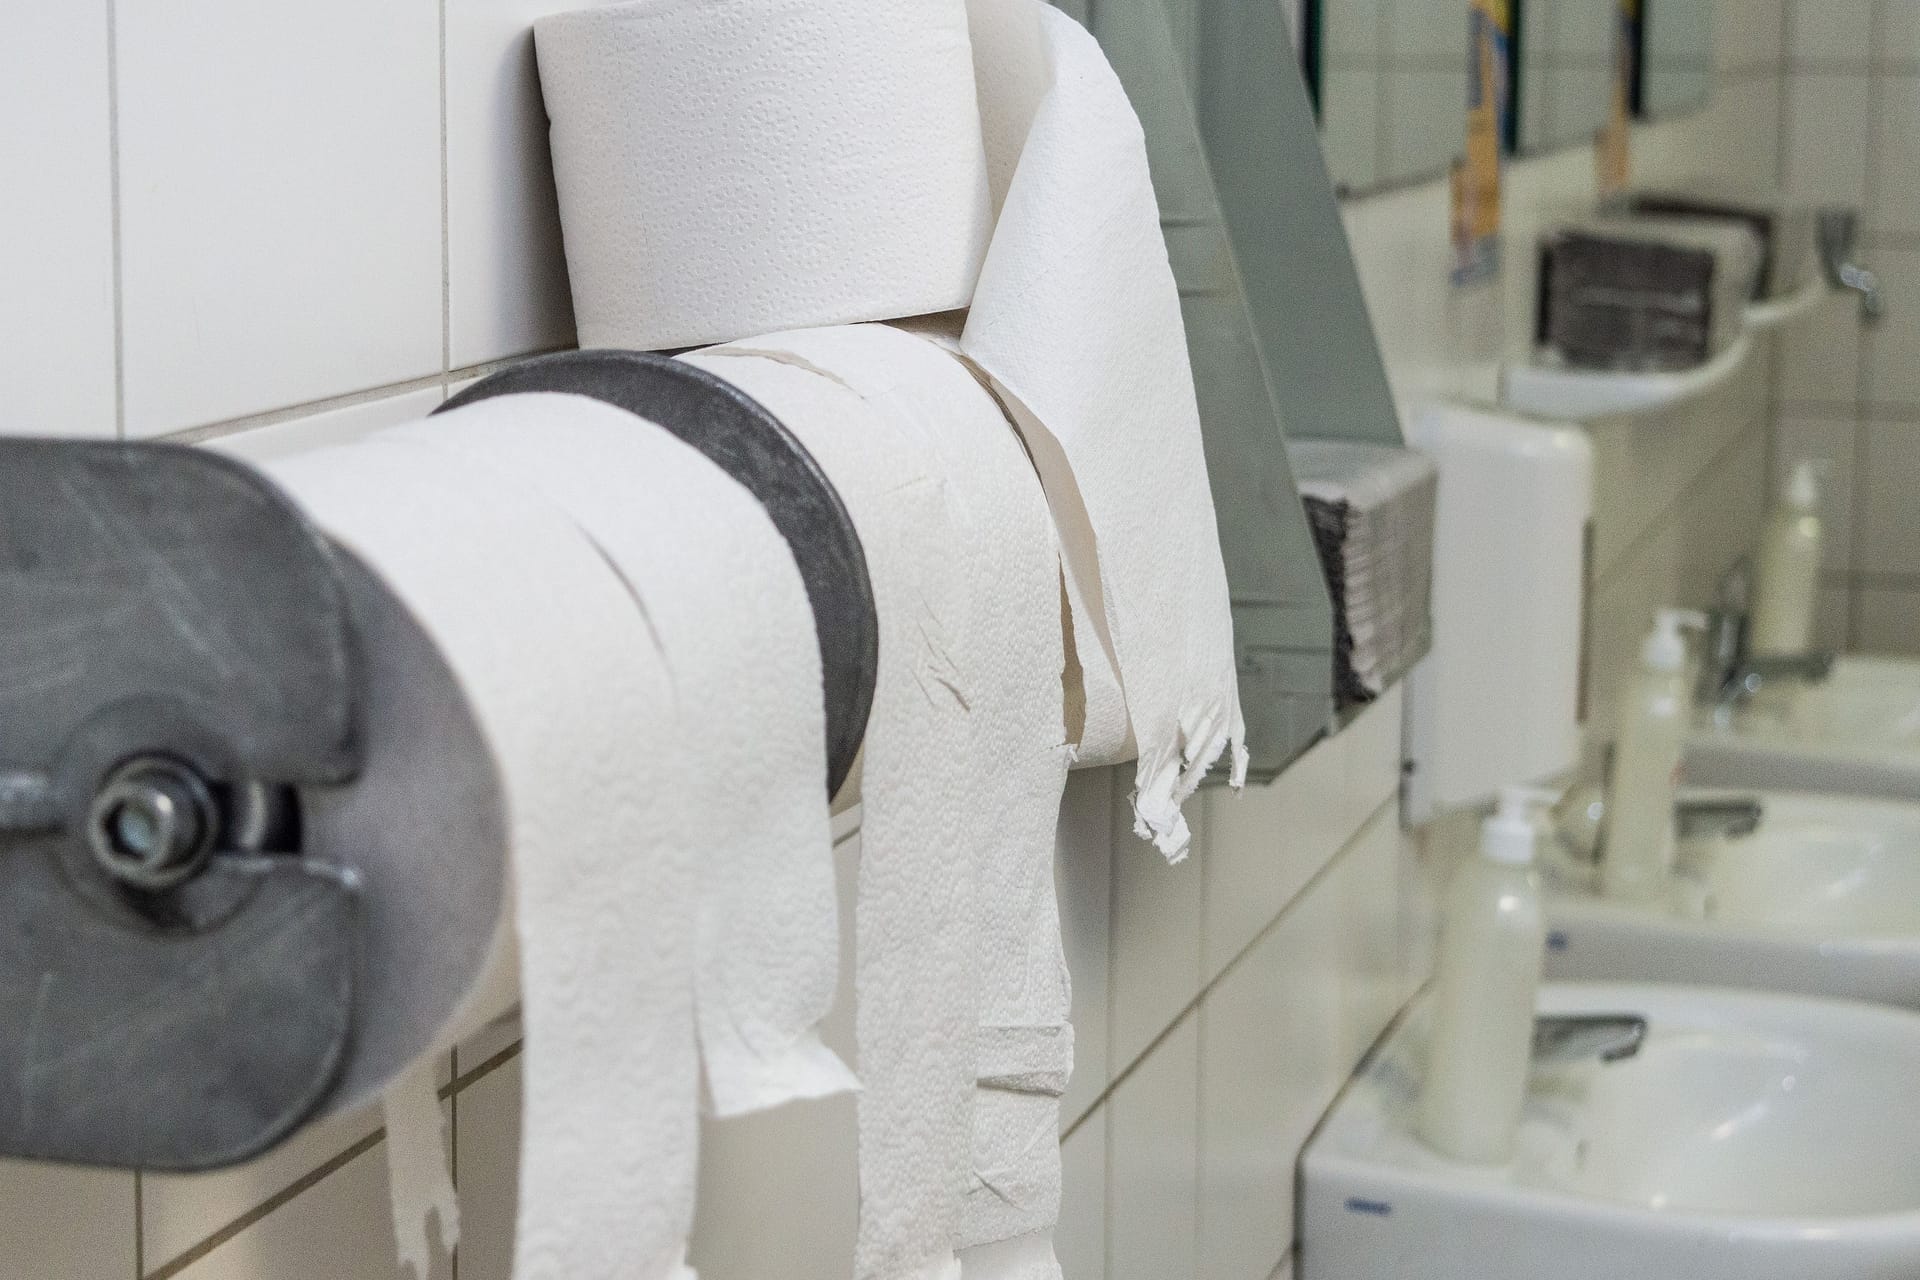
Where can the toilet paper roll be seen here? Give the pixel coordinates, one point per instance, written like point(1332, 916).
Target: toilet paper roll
point(747, 699)
point(728, 167)
point(1077, 320)
point(1015, 766)
point(914, 929)
point(560, 674)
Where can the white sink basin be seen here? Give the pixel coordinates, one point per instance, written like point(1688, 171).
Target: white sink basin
point(1858, 732)
point(1823, 898)
point(1754, 1136)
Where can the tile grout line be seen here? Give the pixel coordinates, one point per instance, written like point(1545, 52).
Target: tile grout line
point(113, 194)
point(446, 223)
point(1192, 1006)
point(319, 1173)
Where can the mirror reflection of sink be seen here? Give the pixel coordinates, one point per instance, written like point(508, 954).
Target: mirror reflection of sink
point(1753, 1136)
point(1858, 732)
point(1822, 898)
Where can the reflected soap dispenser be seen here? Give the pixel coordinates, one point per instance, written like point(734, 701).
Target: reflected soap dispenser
point(1637, 859)
point(1787, 586)
point(1492, 939)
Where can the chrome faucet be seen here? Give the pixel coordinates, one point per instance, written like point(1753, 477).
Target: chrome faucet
point(1564, 1038)
point(1730, 674)
point(1839, 235)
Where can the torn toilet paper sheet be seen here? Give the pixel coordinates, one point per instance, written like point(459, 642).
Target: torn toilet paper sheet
point(1010, 652)
point(1077, 320)
point(1095, 707)
point(727, 167)
point(558, 668)
point(747, 695)
point(914, 949)
point(419, 1183)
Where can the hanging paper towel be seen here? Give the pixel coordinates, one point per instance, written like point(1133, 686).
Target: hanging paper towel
point(1014, 769)
point(1077, 320)
point(914, 930)
point(559, 672)
point(747, 695)
point(728, 167)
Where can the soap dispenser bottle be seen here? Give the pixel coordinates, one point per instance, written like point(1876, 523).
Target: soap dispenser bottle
point(1637, 859)
point(1492, 936)
point(1786, 589)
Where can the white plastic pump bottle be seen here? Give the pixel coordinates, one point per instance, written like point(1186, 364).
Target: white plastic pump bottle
point(1492, 936)
point(1637, 860)
point(1787, 586)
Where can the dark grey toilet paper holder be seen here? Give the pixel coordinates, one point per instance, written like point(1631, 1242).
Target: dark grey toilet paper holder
point(756, 449)
point(176, 657)
point(178, 676)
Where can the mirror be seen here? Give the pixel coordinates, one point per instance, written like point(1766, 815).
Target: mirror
point(1566, 71)
point(1390, 80)
point(1676, 57)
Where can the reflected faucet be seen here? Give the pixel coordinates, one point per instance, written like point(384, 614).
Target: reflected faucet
point(1839, 236)
point(1564, 1038)
point(1730, 674)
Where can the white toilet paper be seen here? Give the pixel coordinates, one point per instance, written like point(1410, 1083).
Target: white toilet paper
point(1014, 770)
point(719, 587)
point(914, 952)
point(728, 167)
point(419, 1183)
point(562, 676)
point(1077, 320)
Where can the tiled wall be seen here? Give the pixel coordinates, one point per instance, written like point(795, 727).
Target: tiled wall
point(1679, 495)
point(272, 226)
point(1846, 392)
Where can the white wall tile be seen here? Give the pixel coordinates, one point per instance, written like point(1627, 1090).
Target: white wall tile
point(1080, 1239)
point(1892, 348)
point(1830, 30)
point(1749, 33)
point(1889, 621)
point(1156, 933)
point(329, 427)
point(1427, 125)
point(487, 1169)
point(1281, 1033)
point(1820, 356)
point(1831, 440)
point(1890, 499)
point(1374, 756)
point(1826, 139)
point(507, 276)
point(1267, 843)
point(1896, 156)
point(1153, 1157)
point(1083, 875)
point(1423, 30)
point(1833, 624)
point(335, 1230)
point(56, 258)
point(58, 1223)
point(178, 1211)
point(1897, 38)
point(280, 204)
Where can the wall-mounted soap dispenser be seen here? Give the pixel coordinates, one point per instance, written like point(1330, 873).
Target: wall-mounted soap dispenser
point(1498, 698)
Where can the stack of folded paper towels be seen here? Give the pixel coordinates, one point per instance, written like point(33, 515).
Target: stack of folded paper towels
point(922, 235)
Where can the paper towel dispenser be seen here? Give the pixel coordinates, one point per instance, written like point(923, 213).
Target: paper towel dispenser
point(198, 954)
point(1277, 325)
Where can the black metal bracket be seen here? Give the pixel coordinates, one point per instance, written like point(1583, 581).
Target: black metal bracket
point(175, 657)
point(752, 446)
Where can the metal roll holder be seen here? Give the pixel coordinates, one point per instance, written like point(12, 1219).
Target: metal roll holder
point(185, 976)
